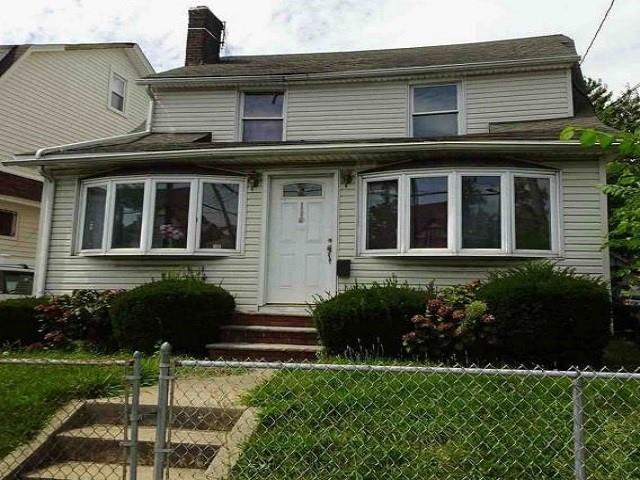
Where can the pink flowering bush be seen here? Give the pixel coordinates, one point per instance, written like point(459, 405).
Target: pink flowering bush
point(80, 318)
point(455, 325)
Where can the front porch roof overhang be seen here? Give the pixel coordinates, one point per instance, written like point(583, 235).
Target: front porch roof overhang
point(313, 153)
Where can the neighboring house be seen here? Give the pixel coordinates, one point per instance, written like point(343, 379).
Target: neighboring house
point(287, 176)
point(51, 95)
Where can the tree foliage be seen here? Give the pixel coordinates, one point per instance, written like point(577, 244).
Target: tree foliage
point(621, 113)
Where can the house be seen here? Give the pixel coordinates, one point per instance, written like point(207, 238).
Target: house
point(288, 176)
point(51, 95)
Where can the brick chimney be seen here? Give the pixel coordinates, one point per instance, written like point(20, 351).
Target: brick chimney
point(204, 37)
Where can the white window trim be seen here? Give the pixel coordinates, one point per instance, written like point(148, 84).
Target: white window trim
point(242, 118)
point(195, 215)
point(16, 225)
point(459, 99)
point(112, 75)
point(454, 224)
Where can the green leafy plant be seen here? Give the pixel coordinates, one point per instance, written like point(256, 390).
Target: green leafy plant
point(455, 326)
point(548, 315)
point(186, 312)
point(18, 323)
point(81, 318)
point(367, 319)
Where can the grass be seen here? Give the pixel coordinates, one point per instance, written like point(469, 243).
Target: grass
point(360, 425)
point(31, 394)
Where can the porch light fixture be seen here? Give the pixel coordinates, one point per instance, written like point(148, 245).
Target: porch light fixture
point(255, 179)
point(347, 177)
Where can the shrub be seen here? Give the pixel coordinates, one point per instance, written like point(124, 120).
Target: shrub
point(369, 319)
point(455, 325)
point(184, 311)
point(79, 318)
point(18, 323)
point(548, 316)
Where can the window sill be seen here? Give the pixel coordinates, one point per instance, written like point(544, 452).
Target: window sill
point(173, 253)
point(462, 254)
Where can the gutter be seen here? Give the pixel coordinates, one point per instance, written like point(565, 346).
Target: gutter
point(278, 150)
point(44, 233)
point(378, 72)
point(88, 143)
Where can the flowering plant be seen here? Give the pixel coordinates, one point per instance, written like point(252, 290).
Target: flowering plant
point(81, 317)
point(454, 323)
point(171, 232)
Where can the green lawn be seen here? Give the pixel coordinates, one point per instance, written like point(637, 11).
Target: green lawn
point(323, 425)
point(30, 394)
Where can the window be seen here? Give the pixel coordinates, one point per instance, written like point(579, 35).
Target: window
point(302, 190)
point(8, 223)
point(161, 215)
point(117, 92)
point(262, 117)
point(434, 110)
point(382, 215)
point(468, 212)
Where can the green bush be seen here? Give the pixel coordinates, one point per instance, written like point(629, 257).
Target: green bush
point(367, 319)
point(185, 312)
point(548, 316)
point(78, 319)
point(18, 323)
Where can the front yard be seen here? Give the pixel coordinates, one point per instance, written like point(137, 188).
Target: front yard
point(336, 425)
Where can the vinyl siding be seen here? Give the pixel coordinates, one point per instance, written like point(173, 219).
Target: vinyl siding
point(197, 111)
point(57, 97)
point(366, 110)
point(582, 238)
point(20, 249)
point(508, 98)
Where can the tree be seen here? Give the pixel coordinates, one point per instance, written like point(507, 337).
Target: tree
point(622, 113)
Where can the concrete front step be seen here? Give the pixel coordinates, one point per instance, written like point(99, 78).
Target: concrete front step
point(104, 471)
point(273, 320)
point(103, 444)
point(263, 351)
point(268, 334)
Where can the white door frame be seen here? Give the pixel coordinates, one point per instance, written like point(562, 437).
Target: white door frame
point(264, 230)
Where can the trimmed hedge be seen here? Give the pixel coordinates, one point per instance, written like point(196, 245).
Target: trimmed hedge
point(548, 316)
point(368, 319)
point(185, 312)
point(18, 322)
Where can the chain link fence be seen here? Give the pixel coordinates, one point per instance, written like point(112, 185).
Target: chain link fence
point(256, 420)
point(63, 418)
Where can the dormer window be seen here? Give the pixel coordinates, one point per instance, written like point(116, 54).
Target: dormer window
point(434, 111)
point(117, 92)
point(262, 117)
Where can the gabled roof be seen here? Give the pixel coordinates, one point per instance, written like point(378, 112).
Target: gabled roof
point(519, 49)
point(10, 54)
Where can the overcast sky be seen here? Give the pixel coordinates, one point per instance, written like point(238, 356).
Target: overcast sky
point(286, 26)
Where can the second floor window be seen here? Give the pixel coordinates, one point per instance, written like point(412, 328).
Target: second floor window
point(434, 110)
point(117, 92)
point(8, 223)
point(262, 117)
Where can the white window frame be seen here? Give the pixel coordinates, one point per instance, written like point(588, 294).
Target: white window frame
point(146, 234)
point(459, 104)
point(454, 209)
point(112, 76)
point(15, 224)
point(282, 117)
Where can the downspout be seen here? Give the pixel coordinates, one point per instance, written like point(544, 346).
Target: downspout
point(44, 232)
point(46, 205)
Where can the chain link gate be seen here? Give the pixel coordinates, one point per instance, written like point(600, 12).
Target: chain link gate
point(248, 420)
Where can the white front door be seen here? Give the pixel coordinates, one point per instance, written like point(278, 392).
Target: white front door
point(301, 244)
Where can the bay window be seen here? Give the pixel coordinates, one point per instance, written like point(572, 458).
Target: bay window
point(160, 215)
point(460, 212)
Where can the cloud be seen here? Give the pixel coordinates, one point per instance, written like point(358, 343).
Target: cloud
point(284, 26)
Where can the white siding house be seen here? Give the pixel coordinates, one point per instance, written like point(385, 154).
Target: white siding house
point(291, 176)
point(52, 95)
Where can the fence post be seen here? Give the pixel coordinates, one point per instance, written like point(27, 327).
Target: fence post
point(578, 427)
point(134, 418)
point(164, 377)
